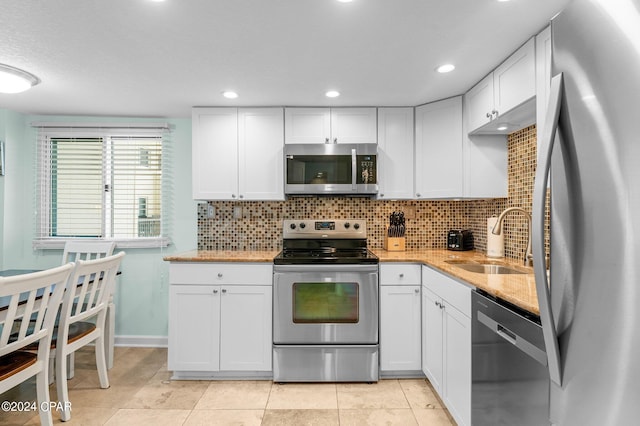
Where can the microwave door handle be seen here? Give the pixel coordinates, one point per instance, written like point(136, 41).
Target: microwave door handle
point(354, 170)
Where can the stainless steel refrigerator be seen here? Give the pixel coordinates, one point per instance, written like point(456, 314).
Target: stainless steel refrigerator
point(591, 320)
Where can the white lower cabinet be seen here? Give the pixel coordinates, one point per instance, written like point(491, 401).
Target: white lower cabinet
point(400, 327)
point(220, 319)
point(446, 341)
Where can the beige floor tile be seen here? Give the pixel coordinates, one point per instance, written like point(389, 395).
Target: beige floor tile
point(419, 393)
point(241, 394)
point(303, 396)
point(135, 416)
point(433, 417)
point(167, 394)
point(300, 418)
point(363, 417)
point(82, 416)
point(384, 394)
point(225, 417)
point(113, 397)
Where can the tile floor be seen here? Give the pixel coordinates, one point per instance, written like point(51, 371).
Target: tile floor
point(142, 393)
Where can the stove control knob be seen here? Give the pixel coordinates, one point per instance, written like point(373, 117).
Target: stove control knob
point(303, 225)
point(347, 225)
point(292, 226)
point(356, 226)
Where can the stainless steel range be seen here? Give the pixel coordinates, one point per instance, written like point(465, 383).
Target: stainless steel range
point(325, 303)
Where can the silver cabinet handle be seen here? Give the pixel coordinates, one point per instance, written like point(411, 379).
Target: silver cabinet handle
point(416, 290)
point(494, 112)
point(326, 140)
point(241, 196)
point(219, 274)
point(418, 195)
point(233, 195)
point(401, 275)
point(335, 140)
point(215, 291)
point(224, 290)
point(381, 195)
point(549, 134)
point(488, 115)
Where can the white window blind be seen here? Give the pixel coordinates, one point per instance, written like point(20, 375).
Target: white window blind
point(101, 182)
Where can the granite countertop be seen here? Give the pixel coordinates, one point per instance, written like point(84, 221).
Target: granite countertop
point(519, 289)
point(223, 256)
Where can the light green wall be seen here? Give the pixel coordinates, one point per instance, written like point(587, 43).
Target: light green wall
point(142, 291)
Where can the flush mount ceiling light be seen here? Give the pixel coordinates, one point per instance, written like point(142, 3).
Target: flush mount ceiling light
point(230, 94)
point(14, 80)
point(445, 68)
point(332, 94)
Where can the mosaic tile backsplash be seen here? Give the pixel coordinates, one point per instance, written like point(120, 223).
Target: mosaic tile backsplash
point(260, 224)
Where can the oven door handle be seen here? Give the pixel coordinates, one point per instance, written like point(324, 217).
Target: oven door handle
point(325, 268)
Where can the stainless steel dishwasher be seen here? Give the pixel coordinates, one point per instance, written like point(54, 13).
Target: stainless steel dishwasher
point(510, 380)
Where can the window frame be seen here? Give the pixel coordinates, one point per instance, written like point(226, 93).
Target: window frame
point(48, 131)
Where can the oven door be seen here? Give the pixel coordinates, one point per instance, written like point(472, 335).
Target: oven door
point(325, 304)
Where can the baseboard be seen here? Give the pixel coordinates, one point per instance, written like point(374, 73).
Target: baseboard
point(142, 341)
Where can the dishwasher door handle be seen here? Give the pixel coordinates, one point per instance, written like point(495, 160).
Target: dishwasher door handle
point(518, 341)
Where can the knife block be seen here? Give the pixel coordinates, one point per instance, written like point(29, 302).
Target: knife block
point(394, 243)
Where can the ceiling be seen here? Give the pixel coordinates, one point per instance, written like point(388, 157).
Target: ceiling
point(139, 58)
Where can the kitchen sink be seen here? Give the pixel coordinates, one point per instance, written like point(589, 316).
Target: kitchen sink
point(486, 268)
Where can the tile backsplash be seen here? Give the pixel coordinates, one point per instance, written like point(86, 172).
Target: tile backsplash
point(258, 225)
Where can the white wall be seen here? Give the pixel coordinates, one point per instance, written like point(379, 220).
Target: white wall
point(142, 291)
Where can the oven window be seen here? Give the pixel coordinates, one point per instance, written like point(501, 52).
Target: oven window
point(325, 303)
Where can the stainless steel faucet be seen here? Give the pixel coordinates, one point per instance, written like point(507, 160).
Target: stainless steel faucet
point(528, 257)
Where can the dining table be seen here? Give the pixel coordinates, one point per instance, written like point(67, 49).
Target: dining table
point(109, 329)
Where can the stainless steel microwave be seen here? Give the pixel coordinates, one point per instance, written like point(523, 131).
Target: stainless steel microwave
point(325, 169)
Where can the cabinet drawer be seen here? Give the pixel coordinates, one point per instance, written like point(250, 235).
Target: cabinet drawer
point(452, 291)
point(400, 274)
point(221, 273)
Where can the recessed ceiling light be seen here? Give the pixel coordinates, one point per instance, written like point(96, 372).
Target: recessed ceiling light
point(230, 94)
point(503, 127)
point(332, 94)
point(14, 80)
point(445, 68)
point(345, 1)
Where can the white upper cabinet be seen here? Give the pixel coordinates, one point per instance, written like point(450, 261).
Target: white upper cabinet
point(395, 153)
point(238, 154)
point(505, 97)
point(260, 143)
point(214, 153)
point(543, 77)
point(439, 159)
point(330, 125)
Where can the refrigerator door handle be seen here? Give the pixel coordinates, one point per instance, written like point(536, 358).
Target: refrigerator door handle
point(549, 134)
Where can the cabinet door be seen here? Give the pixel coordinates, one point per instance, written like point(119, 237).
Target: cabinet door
point(515, 80)
point(194, 324)
point(395, 153)
point(432, 348)
point(245, 332)
point(457, 364)
point(215, 153)
point(479, 101)
point(438, 166)
point(400, 328)
point(307, 125)
point(354, 125)
point(260, 145)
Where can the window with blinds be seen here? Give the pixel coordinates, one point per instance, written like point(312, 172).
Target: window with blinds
point(102, 183)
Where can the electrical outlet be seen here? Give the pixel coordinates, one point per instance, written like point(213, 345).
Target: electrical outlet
point(237, 212)
point(410, 212)
point(211, 211)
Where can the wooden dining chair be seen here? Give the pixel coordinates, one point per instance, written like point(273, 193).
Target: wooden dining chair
point(82, 319)
point(32, 302)
point(88, 250)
